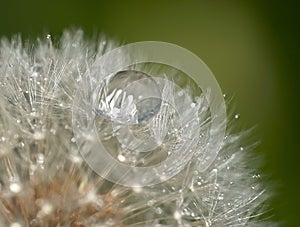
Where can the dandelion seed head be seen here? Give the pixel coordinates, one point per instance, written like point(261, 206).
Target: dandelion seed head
point(57, 103)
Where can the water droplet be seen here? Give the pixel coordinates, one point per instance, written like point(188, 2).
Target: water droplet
point(158, 210)
point(40, 159)
point(221, 197)
point(239, 219)
point(53, 131)
point(121, 158)
point(151, 202)
point(237, 116)
point(15, 187)
point(35, 74)
point(119, 97)
point(180, 93)
point(256, 176)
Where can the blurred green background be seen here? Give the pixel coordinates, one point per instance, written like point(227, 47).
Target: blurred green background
point(251, 46)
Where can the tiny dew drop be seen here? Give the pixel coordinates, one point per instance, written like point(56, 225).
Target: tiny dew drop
point(193, 104)
point(158, 210)
point(180, 93)
point(49, 40)
point(121, 158)
point(256, 176)
point(15, 187)
point(40, 159)
point(237, 116)
point(151, 202)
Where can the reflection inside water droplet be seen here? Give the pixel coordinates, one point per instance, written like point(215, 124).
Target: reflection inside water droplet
point(128, 97)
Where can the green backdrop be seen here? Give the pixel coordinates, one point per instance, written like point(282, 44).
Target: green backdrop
point(251, 46)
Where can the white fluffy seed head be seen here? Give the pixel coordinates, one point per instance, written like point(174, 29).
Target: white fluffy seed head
point(37, 93)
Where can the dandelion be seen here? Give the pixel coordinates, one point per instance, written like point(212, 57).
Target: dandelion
point(61, 122)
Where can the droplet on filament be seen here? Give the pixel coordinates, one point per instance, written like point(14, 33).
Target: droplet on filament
point(128, 97)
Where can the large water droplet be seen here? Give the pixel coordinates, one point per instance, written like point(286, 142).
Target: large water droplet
point(128, 97)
